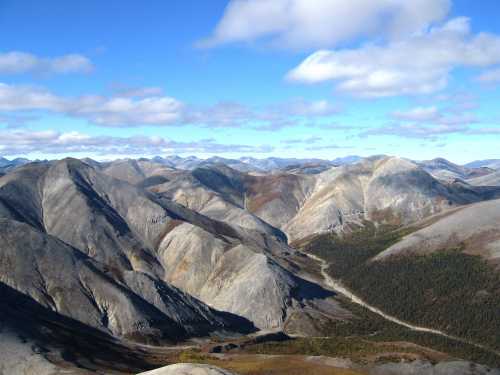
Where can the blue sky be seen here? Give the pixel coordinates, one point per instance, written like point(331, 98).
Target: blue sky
point(290, 78)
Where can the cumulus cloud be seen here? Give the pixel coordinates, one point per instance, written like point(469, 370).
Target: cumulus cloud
point(20, 98)
point(22, 142)
point(144, 107)
point(114, 111)
point(16, 62)
point(119, 111)
point(321, 23)
point(419, 64)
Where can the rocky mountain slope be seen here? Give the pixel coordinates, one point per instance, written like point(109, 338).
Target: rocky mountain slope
point(489, 163)
point(145, 245)
point(473, 229)
point(492, 179)
point(379, 189)
point(445, 170)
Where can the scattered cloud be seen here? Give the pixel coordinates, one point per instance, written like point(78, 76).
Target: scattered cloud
point(149, 106)
point(426, 122)
point(419, 64)
point(432, 114)
point(126, 112)
point(305, 24)
point(115, 111)
point(23, 142)
point(16, 62)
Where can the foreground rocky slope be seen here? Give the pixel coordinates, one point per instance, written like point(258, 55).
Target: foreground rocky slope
point(141, 245)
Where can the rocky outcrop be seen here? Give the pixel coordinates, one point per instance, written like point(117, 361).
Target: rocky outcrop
point(123, 303)
point(143, 247)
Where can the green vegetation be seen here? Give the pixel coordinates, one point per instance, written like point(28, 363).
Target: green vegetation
point(350, 347)
point(448, 290)
point(351, 250)
point(250, 364)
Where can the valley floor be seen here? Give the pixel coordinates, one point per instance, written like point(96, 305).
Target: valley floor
point(337, 286)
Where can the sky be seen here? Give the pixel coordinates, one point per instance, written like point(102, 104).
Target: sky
point(289, 78)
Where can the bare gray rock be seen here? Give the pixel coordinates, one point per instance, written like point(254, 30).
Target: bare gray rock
point(492, 179)
point(129, 304)
point(474, 226)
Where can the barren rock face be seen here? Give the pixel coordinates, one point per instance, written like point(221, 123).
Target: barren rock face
point(474, 226)
point(124, 251)
point(124, 303)
point(492, 179)
point(379, 189)
point(382, 190)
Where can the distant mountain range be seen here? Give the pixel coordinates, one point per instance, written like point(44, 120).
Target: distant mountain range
point(250, 164)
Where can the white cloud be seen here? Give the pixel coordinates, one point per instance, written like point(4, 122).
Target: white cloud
point(19, 98)
point(419, 64)
point(16, 62)
point(322, 23)
point(434, 115)
point(427, 122)
point(127, 111)
point(23, 142)
point(114, 111)
point(158, 110)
